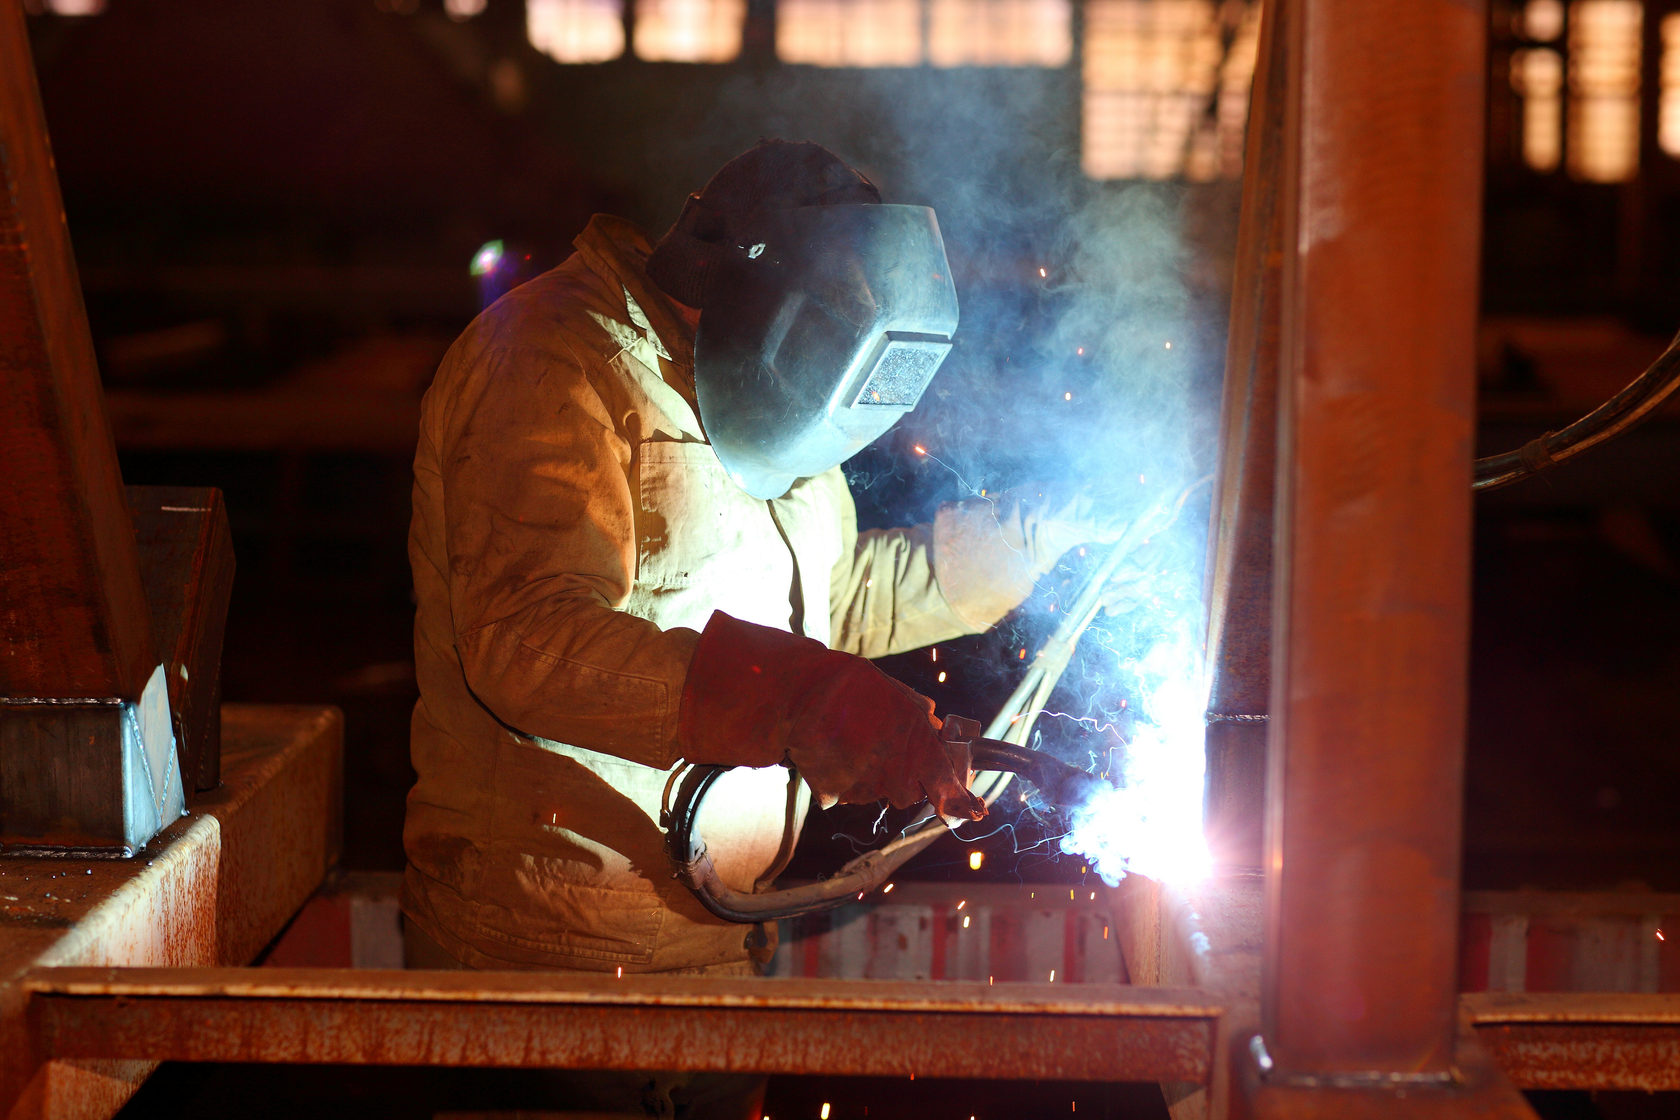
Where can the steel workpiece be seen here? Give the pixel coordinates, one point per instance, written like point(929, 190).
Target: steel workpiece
point(1381, 181)
point(508, 1019)
point(1239, 637)
point(1580, 1040)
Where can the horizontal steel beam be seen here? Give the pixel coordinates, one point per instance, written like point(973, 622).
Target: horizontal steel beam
point(1580, 1040)
point(856, 1027)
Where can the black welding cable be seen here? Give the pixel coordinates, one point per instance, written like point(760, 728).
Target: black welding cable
point(1060, 783)
point(687, 849)
point(1614, 416)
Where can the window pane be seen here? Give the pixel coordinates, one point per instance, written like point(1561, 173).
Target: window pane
point(1000, 32)
point(1604, 89)
point(1668, 107)
point(1542, 20)
point(1537, 78)
point(576, 30)
point(850, 32)
point(689, 30)
point(1152, 70)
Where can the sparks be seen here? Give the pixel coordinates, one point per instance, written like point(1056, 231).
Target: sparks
point(936, 653)
point(825, 1110)
point(920, 450)
point(1042, 273)
point(888, 888)
point(621, 972)
point(1660, 936)
point(975, 859)
point(965, 921)
point(1067, 396)
point(941, 678)
point(1052, 976)
point(1169, 346)
point(1080, 351)
point(961, 903)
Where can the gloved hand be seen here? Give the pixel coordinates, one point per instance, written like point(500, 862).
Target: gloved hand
point(755, 696)
point(989, 552)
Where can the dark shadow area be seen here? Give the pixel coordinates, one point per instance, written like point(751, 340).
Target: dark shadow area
point(328, 1093)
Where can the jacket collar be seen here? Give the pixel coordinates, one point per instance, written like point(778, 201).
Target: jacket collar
point(616, 249)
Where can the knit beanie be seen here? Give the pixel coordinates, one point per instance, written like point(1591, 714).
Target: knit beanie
point(772, 175)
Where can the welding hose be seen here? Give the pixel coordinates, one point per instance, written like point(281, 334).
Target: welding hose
point(1615, 416)
point(995, 752)
point(1008, 729)
point(1061, 784)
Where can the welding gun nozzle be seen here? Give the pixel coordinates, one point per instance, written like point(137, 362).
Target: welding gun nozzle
point(1061, 784)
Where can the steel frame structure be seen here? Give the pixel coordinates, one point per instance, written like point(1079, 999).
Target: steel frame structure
point(1324, 984)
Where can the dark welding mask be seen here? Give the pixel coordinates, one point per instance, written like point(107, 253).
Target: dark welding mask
point(822, 326)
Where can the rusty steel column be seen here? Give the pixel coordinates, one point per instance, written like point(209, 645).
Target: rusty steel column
point(1240, 566)
point(1382, 180)
point(87, 758)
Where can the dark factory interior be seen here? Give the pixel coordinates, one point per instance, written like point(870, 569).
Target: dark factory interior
point(282, 215)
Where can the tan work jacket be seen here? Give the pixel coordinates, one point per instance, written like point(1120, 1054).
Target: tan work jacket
point(572, 532)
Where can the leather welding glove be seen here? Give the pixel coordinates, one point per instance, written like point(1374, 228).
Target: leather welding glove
point(756, 696)
point(989, 552)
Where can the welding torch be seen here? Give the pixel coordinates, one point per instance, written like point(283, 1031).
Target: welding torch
point(1000, 754)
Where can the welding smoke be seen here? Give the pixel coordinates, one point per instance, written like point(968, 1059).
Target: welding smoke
point(1087, 359)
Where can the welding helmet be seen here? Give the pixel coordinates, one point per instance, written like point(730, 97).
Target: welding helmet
point(820, 326)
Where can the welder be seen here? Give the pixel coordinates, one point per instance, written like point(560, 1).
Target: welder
point(633, 547)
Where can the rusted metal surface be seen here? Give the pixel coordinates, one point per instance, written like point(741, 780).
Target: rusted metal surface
point(536, 1020)
point(66, 543)
point(1581, 1040)
point(1240, 568)
point(1478, 1091)
point(1207, 938)
point(279, 808)
point(213, 888)
point(186, 565)
point(1381, 191)
point(86, 752)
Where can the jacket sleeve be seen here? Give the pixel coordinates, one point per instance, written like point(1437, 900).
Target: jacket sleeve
point(540, 508)
point(884, 595)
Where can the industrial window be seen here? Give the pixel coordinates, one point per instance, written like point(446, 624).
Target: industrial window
point(1000, 32)
point(1604, 89)
point(64, 7)
point(1575, 71)
point(1668, 76)
point(849, 32)
point(688, 30)
point(576, 30)
point(1166, 87)
point(914, 32)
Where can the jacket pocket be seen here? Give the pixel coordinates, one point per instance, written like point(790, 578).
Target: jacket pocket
point(696, 528)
